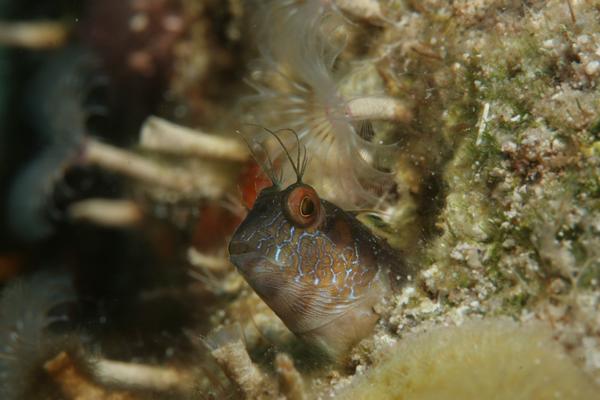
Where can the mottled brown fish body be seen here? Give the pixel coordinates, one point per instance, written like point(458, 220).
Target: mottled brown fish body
point(316, 266)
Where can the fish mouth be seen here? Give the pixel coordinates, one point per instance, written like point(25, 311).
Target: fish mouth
point(240, 248)
point(248, 259)
point(244, 260)
point(243, 255)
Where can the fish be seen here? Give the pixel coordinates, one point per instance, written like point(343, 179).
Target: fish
point(315, 265)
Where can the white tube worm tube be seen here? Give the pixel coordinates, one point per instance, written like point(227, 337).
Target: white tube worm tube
point(290, 380)
point(365, 9)
point(239, 368)
point(208, 262)
point(74, 384)
point(161, 135)
point(105, 212)
point(33, 35)
point(142, 376)
point(378, 108)
point(138, 167)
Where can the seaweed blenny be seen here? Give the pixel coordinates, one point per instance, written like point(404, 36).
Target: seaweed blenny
point(315, 265)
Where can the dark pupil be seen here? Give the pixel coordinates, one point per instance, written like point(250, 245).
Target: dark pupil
point(307, 207)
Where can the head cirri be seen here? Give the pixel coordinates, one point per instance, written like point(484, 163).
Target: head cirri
point(315, 265)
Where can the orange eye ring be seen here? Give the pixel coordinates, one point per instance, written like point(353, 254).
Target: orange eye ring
point(302, 206)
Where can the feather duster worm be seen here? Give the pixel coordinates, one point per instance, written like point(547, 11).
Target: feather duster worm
point(29, 308)
point(297, 90)
point(60, 108)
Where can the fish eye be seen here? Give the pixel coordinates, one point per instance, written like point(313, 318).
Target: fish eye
point(302, 206)
point(307, 207)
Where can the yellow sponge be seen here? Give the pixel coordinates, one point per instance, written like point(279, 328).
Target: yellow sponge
point(486, 359)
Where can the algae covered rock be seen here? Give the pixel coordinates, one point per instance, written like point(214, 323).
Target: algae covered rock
point(507, 111)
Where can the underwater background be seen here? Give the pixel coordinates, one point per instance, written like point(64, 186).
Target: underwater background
point(134, 138)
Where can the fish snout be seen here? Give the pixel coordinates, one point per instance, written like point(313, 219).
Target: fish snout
point(239, 247)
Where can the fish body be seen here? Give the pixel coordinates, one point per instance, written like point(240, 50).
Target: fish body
point(315, 265)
